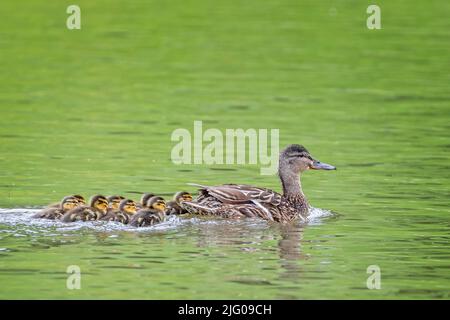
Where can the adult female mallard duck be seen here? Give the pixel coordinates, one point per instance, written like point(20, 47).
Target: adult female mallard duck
point(98, 205)
point(127, 208)
point(67, 203)
point(237, 200)
point(153, 214)
point(174, 206)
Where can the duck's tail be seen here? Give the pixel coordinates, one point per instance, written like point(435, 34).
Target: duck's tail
point(197, 185)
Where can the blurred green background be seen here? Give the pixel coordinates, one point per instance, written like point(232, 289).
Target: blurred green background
point(92, 110)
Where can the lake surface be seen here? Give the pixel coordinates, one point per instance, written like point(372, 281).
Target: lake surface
point(92, 111)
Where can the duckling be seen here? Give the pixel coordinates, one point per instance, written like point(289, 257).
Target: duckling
point(114, 202)
point(97, 208)
point(127, 208)
point(153, 214)
point(113, 208)
point(79, 198)
point(173, 206)
point(67, 203)
point(144, 199)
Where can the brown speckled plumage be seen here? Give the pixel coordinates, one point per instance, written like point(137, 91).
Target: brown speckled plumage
point(237, 201)
point(152, 214)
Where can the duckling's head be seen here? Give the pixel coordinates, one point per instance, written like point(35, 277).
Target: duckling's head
point(114, 201)
point(145, 197)
point(68, 203)
point(99, 202)
point(128, 206)
point(157, 203)
point(80, 199)
point(296, 159)
point(182, 196)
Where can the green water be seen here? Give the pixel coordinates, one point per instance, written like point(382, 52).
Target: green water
point(92, 111)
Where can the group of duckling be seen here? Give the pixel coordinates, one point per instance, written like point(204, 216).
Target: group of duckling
point(148, 211)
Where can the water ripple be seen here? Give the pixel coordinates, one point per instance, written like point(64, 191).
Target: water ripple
point(23, 224)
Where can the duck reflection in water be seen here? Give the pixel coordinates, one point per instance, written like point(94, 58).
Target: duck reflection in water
point(251, 236)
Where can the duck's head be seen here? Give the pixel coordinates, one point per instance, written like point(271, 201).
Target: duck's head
point(157, 203)
point(80, 199)
point(296, 159)
point(128, 206)
point(182, 196)
point(99, 202)
point(68, 203)
point(114, 201)
point(145, 197)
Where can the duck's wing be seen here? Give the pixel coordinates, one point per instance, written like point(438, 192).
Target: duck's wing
point(241, 193)
point(211, 206)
